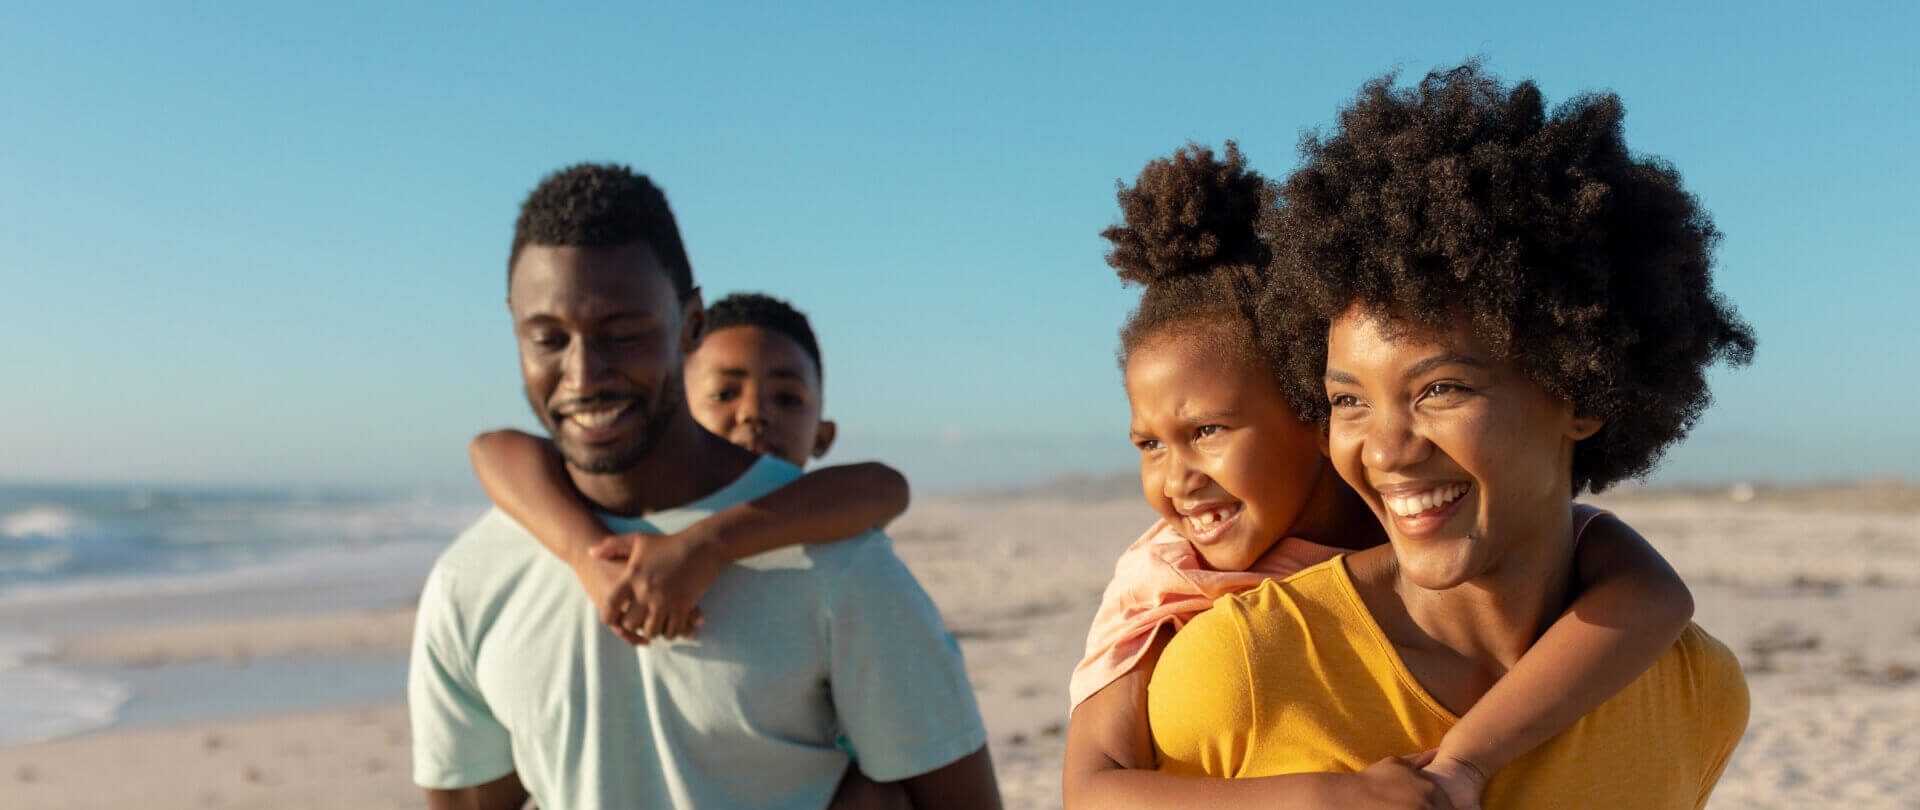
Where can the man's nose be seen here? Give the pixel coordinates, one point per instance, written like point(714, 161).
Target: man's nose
point(586, 368)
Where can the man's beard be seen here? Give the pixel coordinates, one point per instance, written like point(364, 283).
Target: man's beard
point(655, 417)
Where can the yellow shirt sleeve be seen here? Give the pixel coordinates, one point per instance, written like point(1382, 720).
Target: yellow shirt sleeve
point(1725, 688)
point(1200, 700)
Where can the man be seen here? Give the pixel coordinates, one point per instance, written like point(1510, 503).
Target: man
point(515, 687)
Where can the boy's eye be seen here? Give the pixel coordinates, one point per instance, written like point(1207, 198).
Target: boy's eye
point(788, 401)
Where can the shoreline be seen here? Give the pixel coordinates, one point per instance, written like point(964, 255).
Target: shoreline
point(1823, 610)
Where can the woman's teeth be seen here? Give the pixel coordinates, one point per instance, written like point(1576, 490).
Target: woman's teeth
point(1433, 498)
point(594, 420)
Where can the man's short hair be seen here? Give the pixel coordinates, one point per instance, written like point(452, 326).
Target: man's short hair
point(766, 312)
point(602, 205)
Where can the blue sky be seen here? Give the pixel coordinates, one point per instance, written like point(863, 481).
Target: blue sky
point(247, 243)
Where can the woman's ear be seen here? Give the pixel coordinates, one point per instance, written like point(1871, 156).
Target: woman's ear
point(1583, 427)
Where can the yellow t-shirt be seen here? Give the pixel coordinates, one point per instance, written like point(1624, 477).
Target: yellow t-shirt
point(1296, 677)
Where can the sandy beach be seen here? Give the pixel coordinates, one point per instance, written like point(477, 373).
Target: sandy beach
point(1819, 596)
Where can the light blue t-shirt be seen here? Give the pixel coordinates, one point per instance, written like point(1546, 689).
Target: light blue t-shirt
point(512, 671)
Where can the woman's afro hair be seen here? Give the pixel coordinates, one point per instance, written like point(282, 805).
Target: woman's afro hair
point(1463, 202)
point(1189, 234)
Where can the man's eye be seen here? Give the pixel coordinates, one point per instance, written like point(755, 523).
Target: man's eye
point(547, 340)
point(1208, 430)
point(1147, 445)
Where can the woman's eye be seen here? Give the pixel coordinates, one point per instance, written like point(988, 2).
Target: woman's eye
point(1443, 389)
point(1342, 400)
point(723, 396)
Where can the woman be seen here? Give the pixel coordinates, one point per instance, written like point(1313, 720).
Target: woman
point(1492, 309)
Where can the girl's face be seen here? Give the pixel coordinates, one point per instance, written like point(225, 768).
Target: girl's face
point(1222, 456)
point(1461, 456)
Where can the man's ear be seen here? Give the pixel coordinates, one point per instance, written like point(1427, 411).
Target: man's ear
point(693, 322)
point(1583, 427)
point(823, 437)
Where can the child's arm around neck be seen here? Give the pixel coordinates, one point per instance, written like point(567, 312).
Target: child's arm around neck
point(1630, 609)
point(648, 586)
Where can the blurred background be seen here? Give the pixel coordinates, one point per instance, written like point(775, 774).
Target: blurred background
point(251, 293)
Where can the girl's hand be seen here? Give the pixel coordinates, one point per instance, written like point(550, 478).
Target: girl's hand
point(1462, 781)
point(1395, 783)
point(664, 578)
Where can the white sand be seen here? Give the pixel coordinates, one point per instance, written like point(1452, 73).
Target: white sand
point(1823, 607)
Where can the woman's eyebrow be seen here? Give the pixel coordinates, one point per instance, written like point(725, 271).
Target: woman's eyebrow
point(1444, 359)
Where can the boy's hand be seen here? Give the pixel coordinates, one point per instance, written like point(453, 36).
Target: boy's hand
point(664, 578)
point(1463, 781)
point(605, 581)
point(1395, 783)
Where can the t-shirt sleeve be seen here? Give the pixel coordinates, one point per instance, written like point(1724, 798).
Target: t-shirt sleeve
point(898, 682)
point(1724, 689)
point(457, 742)
point(1200, 701)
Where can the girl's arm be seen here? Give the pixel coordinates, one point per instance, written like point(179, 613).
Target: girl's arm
point(1630, 609)
point(1109, 762)
point(662, 578)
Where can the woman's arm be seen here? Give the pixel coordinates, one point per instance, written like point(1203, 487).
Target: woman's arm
point(1110, 760)
point(1630, 609)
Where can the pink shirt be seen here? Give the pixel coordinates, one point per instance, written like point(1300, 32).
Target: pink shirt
point(1161, 581)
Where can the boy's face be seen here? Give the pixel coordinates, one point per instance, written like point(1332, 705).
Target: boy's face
point(758, 389)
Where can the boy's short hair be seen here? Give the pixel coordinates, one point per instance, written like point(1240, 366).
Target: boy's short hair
point(1462, 202)
point(766, 312)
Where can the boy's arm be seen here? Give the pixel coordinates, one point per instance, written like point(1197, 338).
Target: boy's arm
point(669, 575)
point(525, 476)
point(1630, 609)
point(1110, 758)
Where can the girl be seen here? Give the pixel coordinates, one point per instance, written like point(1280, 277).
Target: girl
point(1245, 493)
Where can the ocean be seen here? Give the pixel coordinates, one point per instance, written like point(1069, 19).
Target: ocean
point(75, 560)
